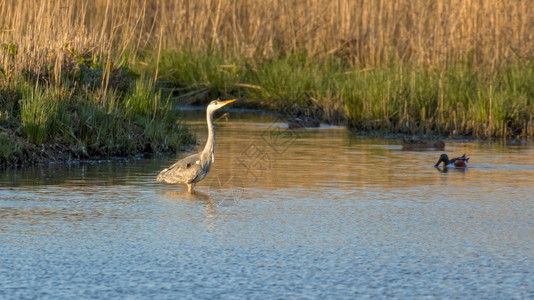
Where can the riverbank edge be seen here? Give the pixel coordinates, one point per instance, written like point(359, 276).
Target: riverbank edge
point(42, 123)
point(397, 99)
point(456, 99)
point(61, 154)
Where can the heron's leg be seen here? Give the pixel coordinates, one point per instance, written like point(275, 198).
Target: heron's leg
point(190, 187)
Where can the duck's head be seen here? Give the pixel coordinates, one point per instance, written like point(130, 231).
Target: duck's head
point(443, 158)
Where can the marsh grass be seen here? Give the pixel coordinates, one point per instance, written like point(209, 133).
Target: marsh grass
point(42, 113)
point(7, 147)
point(210, 72)
point(60, 124)
point(449, 67)
point(292, 77)
point(68, 86)
point(153, 112)
point(363, 33)
point(456, 100)
point(142, 101)
point(128, 124)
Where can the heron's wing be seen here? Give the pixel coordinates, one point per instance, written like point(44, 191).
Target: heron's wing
point(183, 171)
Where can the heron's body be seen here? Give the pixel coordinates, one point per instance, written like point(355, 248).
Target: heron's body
point(458, 162)
point(194, 168)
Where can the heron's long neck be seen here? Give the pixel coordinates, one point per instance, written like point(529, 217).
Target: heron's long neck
point(209, 149)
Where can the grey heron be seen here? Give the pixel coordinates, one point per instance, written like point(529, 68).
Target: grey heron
point(194, 168)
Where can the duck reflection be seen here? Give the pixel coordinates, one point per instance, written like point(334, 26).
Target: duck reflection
point(446, 169)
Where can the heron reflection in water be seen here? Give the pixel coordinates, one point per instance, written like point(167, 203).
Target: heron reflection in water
point(194, 168)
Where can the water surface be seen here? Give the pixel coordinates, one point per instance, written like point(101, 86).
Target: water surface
point(291, 214)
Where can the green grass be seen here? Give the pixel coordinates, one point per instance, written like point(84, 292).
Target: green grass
point(85, 105)
point(90, 112)
point(36, 113)
point(455, 100)
point(139, 121)
point(43, 113)
point(7, 146)
point(202, 70)
point(85, 123)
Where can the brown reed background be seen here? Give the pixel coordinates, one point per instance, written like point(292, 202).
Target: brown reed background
point(367, 32)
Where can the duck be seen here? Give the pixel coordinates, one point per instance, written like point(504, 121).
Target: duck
point(299, 123)
point(414, 144)
point(458, 162)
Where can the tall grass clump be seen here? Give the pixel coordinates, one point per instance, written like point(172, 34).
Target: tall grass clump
point(291, 77)
point(40, 124)
point(36, 114)
point(42, 113)
point(143, 101)
point(153, 112)
point(7, 147)
point(201, 74)
point(101, 134)
point(455, 101)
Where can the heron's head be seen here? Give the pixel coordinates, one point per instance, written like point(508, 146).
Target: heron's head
point(216, 104)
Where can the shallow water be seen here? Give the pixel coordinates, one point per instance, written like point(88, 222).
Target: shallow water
point(288, 214)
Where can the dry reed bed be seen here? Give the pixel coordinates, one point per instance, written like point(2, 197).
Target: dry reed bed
point(369, 33)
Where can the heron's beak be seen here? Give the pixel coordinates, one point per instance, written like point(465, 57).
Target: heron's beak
point(228, 102)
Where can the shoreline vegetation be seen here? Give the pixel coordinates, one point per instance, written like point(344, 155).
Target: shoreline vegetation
point(95, 79)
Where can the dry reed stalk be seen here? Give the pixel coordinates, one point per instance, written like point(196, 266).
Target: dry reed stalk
point(366, 32)
point(44, 32)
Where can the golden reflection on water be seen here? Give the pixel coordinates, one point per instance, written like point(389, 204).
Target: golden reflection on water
point(321, 199)
point(334, 158)
point(255, 156)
